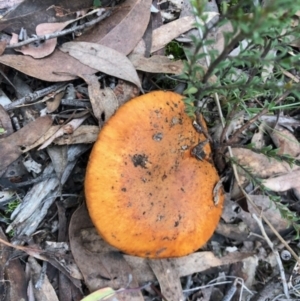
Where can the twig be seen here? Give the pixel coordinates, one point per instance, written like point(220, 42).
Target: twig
point(57, 34)
point(32, 97)
point(279, 262)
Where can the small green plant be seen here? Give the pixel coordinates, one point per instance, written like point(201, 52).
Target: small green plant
point(253, 79)
point(175, 49)
point(11, 206)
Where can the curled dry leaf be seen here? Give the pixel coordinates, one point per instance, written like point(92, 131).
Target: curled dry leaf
point(104, 59)
point(156, 64)
point(11, 146)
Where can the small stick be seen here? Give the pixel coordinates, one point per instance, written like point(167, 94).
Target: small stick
point(61, 33)
point(32, 97)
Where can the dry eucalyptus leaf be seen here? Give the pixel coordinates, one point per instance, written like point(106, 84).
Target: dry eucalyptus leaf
point(285, 141)
point(285, 182)
point(168, 32)
point(56, 67)
point(259, 164)
point(104, 59)
point(104, 101)
point(168, 279)
point(156, 64)
point(11, 146)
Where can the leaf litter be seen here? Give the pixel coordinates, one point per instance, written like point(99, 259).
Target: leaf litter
point(108, 76)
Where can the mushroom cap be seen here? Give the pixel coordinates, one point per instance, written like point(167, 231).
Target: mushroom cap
point(146, 194)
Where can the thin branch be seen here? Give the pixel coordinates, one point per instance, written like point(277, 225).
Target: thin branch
point(57, 34)
point(279, 262)
point(32, 97)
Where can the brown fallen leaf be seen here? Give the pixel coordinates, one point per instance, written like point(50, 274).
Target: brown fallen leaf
point(104, 59)
point(120, 32)
point(11, 146)
point(168, 279)
point(56, 67)
point(104, 101)
point(168, 32)
point(285, 182)
point(156, 64)
point(259, 164)
point(285, 141)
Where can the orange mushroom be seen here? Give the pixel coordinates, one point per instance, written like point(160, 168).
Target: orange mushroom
point(146, 193)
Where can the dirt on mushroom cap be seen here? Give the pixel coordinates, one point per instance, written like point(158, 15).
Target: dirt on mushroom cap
point(146, 194)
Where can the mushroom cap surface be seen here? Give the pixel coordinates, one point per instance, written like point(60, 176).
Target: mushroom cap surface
point(146, 194)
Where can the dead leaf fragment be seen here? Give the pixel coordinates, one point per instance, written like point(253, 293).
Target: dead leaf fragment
point(11, 146)
point(168, 279)
point(168, 32)
point(104, 101)
point(56, 67)
point(156, 64)
point(259, 164)
point(285, 182)
point(104, 59)
point(285, 141)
